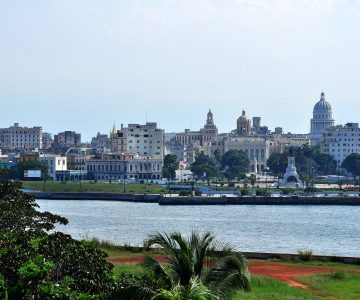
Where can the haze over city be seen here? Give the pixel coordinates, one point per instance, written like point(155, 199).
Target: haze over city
point(81, 65)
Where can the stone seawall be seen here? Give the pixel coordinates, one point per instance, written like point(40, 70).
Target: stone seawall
point(259, 200)
point(145, 198)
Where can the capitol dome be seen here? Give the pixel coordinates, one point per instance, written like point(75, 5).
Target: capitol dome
point(322, 119)
point(322, 105)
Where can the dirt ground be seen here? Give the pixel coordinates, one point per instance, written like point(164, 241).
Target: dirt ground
point(279, 271)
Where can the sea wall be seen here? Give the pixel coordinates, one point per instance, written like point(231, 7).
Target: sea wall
point(145, 198)
point(259, 200)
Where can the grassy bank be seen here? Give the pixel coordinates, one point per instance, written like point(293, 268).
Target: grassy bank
point(343, 283)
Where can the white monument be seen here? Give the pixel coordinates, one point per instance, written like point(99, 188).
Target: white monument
point(291, 177)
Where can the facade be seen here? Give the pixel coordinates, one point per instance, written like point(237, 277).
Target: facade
point(21, 138)
point(75, 161)
point(55, 164)
point(145, 140)
point(67, 139)
point(322, 119)
point(47, 140)
point(113, 166)
point(256, 149)
point(340, 141)
point(198, 138)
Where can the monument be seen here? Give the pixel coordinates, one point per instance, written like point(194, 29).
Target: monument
point(291, 177)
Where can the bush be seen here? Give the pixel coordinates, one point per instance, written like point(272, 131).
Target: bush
point(338, 276)
point(244, 192)
point(231, 184)
point(305, 255)
point(184, 193)
point(262, 192)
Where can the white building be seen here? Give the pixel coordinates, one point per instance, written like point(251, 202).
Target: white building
point(21, 138)
point(146, 140)
point(114, 166)
point(322, 119)
point(340, 141)
point(55, 163)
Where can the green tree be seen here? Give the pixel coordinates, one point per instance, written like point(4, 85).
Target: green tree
point(204, 165)
point(36, 264)
point(17, 171)
point(195, 263)
point(235, 164)
point(352, 164)
point(252, 179)
point(170, 166)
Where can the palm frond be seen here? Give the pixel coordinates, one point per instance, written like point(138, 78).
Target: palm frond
point(159, 271)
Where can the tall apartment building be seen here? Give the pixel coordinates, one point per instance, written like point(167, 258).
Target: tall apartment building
point(146, 140)
point(340, 141)
point(67, 139)
point(21, 138)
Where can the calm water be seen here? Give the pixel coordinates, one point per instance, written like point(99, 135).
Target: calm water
point(331, 230)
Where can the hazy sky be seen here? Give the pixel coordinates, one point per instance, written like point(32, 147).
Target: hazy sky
point(83, 64)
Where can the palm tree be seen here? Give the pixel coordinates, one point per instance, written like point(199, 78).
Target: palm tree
point(200, 265)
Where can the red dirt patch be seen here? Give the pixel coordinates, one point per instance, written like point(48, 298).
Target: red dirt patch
point(285, 272)
point(279, 271)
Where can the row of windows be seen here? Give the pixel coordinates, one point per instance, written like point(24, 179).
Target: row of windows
point(120, 168)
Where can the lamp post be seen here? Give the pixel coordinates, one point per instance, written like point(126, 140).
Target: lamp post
point(124, 168)
point(266, 174)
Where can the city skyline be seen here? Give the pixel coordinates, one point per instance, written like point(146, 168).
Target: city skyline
point(82, 65)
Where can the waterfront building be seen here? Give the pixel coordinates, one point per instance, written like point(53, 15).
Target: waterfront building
point(340, 141)
point(321, 120)
point(56, 164)
point(21, 138)
point(116, 166)
point(145, 140)
point(67, 139)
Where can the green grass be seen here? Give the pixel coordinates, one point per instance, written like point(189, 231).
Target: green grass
point(317, 263)
point(88, 187)
point(337, 285)
point(264, 288)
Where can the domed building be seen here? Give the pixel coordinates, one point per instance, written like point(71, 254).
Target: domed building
point(322, 119)
point(243, 124)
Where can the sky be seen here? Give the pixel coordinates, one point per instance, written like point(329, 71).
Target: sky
point(84, 64)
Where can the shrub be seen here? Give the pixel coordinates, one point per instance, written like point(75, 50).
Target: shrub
point(262, 192)
point(231, 184)
point(184, 192)
point(305, 255)
point(244, 192)
point(198, 193)
point(338, 276)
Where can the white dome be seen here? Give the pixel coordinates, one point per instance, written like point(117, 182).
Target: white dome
point(322, 105)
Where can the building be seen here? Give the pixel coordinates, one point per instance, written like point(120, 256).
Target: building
point(100, 141)
point(144, 140)
point(340, 141)
point(55, 164)
point(243, 124)
point(321, 120)
point(114, 166)
point(67, 139)
point(256, 149)
point(196, 139)
point(21, 138)
point(47, 140)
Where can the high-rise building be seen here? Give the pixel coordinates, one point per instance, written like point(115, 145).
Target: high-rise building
point(322, 119)
point(67, 139)
point(21, 138)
